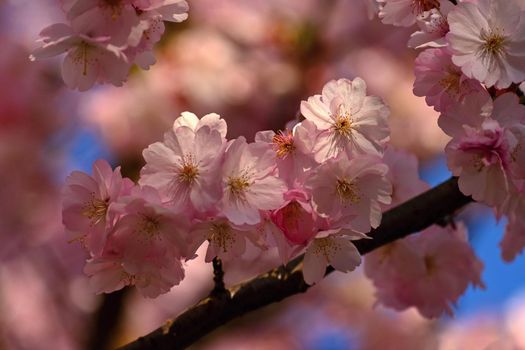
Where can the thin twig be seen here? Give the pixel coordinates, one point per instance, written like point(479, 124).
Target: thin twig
point(219, 290)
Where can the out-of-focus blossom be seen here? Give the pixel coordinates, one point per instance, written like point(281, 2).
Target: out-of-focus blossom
point(514, 206)
point(372, 7)
point(433, 27)
point(430, 271)
point(88, 60)
point(513, 242)
point(404, 12)
point(403, 175)
point(104, 39)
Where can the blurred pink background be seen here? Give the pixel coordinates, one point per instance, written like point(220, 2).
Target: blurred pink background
point(252, 62)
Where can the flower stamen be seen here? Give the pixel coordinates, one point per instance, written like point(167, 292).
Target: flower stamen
point(493, 43)
point(283, 143)
point(237, 186)
point(222, 236)
point(188, 172)
point(95, 209)
point(347, 191)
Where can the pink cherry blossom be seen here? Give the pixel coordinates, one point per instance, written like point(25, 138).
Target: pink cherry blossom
point(514, 207)
point(104, 38)
point(517, 166)
point(184, 168)
point(404, 12)
point(293, 151)
point(249, 183)
point(144, 249)
point(513, 241)
point(116, 19)
point(330, 248)
point(440, 81)
point(403, 175)
point(485, 144)
point(226, 240)
point(153, 275)
point(88, 60)
point(351, 190)
point(145, 223)
point(170, 10)
point(151, 28)
point(106, 273)
point(480, 159)
point(86, 200)
point(347, 119)
point(486, 39)
point(430, 271)
point(296, 218)
point(433, 27)
point(212, 120)
point(372, 7)
point(385, 264)
point(270, 235)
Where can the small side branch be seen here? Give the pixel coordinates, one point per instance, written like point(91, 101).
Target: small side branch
point(413, 216)
point(219, 290)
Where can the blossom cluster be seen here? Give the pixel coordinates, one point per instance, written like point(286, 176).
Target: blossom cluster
point(104, 38)
point(314, 188)
point(325, 181)
point(469, 71)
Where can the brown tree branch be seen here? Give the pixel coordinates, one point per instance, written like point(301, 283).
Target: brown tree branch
point(210, 313)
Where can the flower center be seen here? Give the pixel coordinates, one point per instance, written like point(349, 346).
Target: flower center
point(222, 236)
point(493, 43)
point(238, 185)
point(189, 171)
point(95, 209)
point(81, 56)
point(478, 162)
point(343, 124)
point(283, 144)
point(127, 278)
point(450, 82)
point(325, 247)
point(149, 226)
point(347, 191)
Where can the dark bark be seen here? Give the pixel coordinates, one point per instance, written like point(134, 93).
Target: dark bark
point(431, 207)
point(106, 320)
